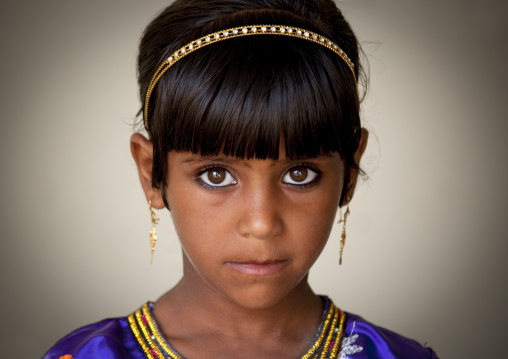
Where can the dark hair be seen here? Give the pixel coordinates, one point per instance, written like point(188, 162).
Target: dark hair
point(239, 96)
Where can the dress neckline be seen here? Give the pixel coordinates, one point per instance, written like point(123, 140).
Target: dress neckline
point(326, 344)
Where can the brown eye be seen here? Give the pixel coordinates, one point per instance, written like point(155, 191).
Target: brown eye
point(217, 177)
point(299, 175)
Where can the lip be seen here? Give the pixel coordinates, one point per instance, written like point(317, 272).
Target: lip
point(258, 268)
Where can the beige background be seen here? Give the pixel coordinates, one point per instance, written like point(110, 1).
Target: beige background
point(426, 251)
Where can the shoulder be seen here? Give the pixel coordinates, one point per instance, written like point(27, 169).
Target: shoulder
point(363, 339)
point(109, 338)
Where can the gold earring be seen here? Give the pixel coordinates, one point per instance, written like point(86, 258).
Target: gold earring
point(153, 233)
point(343, 236)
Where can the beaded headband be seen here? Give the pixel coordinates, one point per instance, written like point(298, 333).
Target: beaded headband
point(239, 32)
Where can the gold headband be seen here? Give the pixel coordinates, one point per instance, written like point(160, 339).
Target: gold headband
point(239, 32)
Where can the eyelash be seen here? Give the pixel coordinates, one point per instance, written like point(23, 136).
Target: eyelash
point(308, 166)
point(206, 169)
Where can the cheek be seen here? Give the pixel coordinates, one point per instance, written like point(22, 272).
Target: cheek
point(318, 209)
point(314, 231)
point(190, 221)
point(201, 227)
point(310, 226)
point(192, 208)
point(194, 230)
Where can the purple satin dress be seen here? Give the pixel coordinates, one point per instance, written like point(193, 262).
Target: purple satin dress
point(121, 338)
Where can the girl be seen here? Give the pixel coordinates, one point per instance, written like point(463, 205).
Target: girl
point(254, 141)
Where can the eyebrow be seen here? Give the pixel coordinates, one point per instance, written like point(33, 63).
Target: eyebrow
point(228, 159)
point(200, 159)
point(197, 159)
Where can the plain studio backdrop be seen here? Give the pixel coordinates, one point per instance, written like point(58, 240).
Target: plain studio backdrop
point(426, 247)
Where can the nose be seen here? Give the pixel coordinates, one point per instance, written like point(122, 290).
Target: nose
point(261, 215)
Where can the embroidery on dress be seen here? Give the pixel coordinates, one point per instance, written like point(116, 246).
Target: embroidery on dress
point(348, 346)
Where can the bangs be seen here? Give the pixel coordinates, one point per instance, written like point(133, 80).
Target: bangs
point(240, 97)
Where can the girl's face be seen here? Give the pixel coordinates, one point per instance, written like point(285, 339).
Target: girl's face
point(252, 229)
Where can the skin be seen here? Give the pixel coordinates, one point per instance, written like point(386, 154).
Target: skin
point(249, 237)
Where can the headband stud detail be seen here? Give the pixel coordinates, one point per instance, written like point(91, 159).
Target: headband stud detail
point(240, 32)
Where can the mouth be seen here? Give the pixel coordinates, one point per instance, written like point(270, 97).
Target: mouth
point(259, 268)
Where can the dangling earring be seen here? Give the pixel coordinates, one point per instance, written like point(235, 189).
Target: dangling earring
point(343, 236)
point(153, 233)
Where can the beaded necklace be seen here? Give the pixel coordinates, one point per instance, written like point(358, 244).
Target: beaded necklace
point(154, 345)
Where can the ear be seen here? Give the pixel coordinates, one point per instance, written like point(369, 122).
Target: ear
point(364, 138)
point(142, 152)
